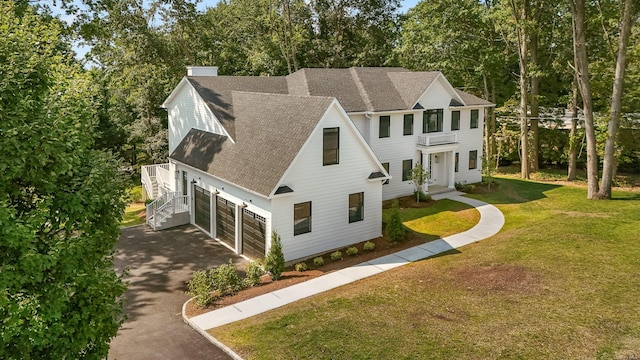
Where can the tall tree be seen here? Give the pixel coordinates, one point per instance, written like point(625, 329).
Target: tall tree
point(578, 10)
point(628, 16)
point(61, 202)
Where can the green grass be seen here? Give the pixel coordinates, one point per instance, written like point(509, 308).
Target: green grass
point(560, 281)
point(131, 213)
point(442, 218)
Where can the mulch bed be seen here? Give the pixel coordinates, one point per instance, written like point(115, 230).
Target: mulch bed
point(292, 277)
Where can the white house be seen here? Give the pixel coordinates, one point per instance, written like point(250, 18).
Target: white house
point(310, 155)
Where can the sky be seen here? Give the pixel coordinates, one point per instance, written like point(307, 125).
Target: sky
point(81, 51)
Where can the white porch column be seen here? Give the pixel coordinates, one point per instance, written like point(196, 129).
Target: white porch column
point(426, 157)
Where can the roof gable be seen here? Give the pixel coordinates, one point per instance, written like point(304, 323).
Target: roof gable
point(267, 139)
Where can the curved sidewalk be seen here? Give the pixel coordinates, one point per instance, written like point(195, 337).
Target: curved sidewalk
point(491, 221)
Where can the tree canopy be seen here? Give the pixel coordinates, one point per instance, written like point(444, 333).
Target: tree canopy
point(61, 201)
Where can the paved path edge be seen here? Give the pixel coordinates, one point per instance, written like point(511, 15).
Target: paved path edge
point(208, 336)
point(491, 221)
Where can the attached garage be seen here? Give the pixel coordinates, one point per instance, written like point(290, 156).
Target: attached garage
point(226, 221)
point(254, 235)
point(202, 208)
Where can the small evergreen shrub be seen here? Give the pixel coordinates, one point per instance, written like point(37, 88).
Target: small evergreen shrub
point(254, 273)
point(300, 267)
point(369, 246)
point(319, 261)
point(395, 230)
point(352, 251)
point(200, 288)
point(225, 279)
point(274, 262)
point(336, 255)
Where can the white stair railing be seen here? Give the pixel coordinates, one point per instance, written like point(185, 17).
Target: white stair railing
point(165, 207)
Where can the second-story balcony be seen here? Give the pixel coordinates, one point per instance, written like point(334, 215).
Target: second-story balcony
point(435, 139)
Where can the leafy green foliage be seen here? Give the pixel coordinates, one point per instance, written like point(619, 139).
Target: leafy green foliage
point(225, 279)
point(200, 288)
point(336, 255)
point(369, 246)
point(419, 177)
point(395, 231)
point(254, 274)
point(318, 261)
point(61, 202)
point(300, 267)
point(274, 262)
point(352, 251)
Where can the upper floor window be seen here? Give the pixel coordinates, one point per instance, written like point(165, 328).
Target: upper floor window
point(473, 159)
point(185, 183)
point(407, 165)
point(356, 207)
point(331, 146)
point(432, 121)
point(474, 118)
point(385, 126)
point(455, 120)
point(386, 167)
point(408, 124)
point(302, 218)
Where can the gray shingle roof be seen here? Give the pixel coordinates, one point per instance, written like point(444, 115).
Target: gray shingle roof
point(216, 92)
point(270, 129)
point(472, 100)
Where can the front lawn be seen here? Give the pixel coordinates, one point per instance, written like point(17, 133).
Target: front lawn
point(560, 281)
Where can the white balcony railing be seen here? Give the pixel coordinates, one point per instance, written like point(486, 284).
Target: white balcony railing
point(437, 139)
point(166, 206)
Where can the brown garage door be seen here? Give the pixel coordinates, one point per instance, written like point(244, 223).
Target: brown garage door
point(253, 234)
point(202, 205)
point(226, 221)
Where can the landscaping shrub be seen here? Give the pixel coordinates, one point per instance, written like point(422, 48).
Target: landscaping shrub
point(254, 273)
point(274, 262)
point(225, 279)
point(352, 251)
point(319, 261)
point(300, 267)
point(369, 246)
point(395, 230)
point(200, 288)
point(336, 255)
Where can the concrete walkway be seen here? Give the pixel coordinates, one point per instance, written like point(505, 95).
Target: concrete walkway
point(491, 221)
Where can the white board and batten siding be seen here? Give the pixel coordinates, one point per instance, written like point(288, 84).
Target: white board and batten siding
point(328, 188)
point(187, 110)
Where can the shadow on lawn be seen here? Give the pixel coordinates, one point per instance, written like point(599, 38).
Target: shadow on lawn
point(515, 191)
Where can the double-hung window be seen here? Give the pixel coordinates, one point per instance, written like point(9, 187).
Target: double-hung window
point(474, 118)
point(385, 126)
point(302, 218)
point(408, 124)
point(473, 159)
point(432, 121)
point(330, 146)
point(457, 167)
point(407, 165)
point(356, 207)
point(455, 120)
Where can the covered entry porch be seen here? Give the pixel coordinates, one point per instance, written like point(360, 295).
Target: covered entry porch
point(441, 163)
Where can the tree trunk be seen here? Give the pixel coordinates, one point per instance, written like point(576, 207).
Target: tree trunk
point(488, 135)
point(535, 111)
point(582, 68)
point(573, 143)
point(608, 170)
point(523, 51)
point(494, 148)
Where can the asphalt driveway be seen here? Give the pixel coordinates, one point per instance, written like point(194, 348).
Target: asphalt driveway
point(159, 264)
